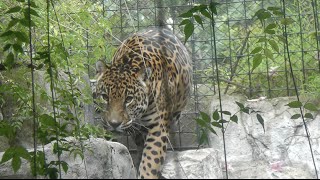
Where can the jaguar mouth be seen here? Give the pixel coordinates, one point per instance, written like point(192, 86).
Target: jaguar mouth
point(129, 128)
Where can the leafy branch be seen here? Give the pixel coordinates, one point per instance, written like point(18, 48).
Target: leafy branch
point(196, 14)
point(207, 122)
point(306, 106)
point(266, 46)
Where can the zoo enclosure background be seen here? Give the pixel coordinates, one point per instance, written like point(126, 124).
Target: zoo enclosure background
point(236, 33)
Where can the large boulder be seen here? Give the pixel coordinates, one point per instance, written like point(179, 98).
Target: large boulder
point(282, 151)
point(103, 160)
point(192, 164)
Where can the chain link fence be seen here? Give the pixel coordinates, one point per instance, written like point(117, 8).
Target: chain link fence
point(237, 33)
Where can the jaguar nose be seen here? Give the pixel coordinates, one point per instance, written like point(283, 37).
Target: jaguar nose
point(115, 125)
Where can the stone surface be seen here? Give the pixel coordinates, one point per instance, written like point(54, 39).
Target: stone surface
point(192, 164)
point(104, 160)
point(282, 151)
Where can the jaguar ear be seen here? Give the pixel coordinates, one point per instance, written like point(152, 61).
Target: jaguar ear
point(100, 67)
point(145, 73)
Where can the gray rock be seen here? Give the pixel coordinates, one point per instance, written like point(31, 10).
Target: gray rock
point(192, 164)
point(103, 160)
point(282, 151)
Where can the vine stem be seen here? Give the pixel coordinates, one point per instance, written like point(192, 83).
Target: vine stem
point(295, 87)
point(34, 113)
point(72, 89)
point(214, 46)
point(52, 86)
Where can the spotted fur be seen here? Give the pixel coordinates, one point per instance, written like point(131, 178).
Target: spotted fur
point(145, 88)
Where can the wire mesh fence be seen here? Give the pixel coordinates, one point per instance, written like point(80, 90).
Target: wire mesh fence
point(275, 31)
point(237, 34)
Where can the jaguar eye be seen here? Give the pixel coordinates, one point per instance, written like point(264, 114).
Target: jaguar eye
point(128, 99)
point(105, 97)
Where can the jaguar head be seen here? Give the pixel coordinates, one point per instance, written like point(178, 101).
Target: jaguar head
point(122, 93)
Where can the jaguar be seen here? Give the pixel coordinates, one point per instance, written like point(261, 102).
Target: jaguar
point(143, 90)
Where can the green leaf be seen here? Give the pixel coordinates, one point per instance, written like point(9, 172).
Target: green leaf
point(223, 121)
point(296, 116)
point(20, 0)
point(53, 173)
point(216, 124)
point(185, 21)
point(257, 59)
point(25, 22)
point(6, 47)
point(22, 152)
point(294, 104)
point(186, 15)
point(215, 115)
point(226, 113)
point(8, 154)
point(272, 8)
point(33, 4)
point(200, 7)
point(281, 38)
point(259, 12)
point(17, 48)
point(241, 106)
point(262, 39)
point(12, 23)
point(203, 138)
point(269, 31)
point(198, 20)
point(261, 121)
point(16, 163)
point(278, 12)
point(22, 36)
point(271, 26)
point(64, 166)
point(201, 122)
point(213, 7)
point(39, 66)
point(13, 10)
point(32, 12)
point(310, 107)
point(188, 30)
point(245, 110)
point(9, 62)
point(205, 116)
point(268, 53)
point(234, 118)
point(256, 50)
point(262, 14)
point(7, 33)
point(274, 45)
point(47, 120)
point(206, 14)
point(309, 116)
point(286, 21)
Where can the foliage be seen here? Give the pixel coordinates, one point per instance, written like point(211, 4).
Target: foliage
point(62, 62)
point(194, 15)
point(218, 119)
point(272, 21)
point(250, 47)
point(306, 109)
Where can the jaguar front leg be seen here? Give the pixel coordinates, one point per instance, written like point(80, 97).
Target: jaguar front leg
point(154, 152)
point(139, 139)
